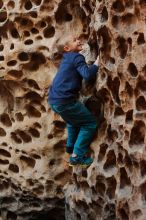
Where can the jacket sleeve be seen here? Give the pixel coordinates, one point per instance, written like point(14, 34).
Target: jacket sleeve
point(86, 72)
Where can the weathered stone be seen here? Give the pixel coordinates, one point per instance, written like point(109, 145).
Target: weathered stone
point(35, 180)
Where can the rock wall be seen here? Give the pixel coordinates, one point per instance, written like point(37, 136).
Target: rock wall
point(34, 182)
point(32, 137)
point(114, 185)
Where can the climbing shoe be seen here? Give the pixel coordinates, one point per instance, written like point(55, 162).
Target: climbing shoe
point(69, 150)
point(80, 160)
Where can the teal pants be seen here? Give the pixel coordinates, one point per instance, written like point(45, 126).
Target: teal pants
point(81, 125)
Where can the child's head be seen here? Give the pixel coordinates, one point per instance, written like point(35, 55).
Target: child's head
point(70, 44)
point(73, 44)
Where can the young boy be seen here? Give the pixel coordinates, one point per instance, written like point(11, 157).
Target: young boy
point(63, 99)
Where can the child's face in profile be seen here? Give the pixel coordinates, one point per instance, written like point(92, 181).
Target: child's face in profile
point(74, 44)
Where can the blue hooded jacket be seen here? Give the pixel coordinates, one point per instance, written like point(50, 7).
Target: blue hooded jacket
point(68, 80)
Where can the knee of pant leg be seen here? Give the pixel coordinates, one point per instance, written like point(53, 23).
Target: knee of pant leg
point(92, 125)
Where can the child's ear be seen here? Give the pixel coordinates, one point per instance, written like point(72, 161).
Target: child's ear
point(66, 48)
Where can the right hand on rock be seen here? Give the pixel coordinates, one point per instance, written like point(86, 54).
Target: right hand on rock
point(97, 61)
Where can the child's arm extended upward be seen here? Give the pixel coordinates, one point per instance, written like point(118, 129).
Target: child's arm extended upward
point(83, 69)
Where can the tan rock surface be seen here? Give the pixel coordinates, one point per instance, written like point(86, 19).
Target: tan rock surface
point(35, 181)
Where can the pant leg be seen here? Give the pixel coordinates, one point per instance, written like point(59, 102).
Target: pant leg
point(71, 129)
point(88, 126)
point(72, 134)
point(78, 115)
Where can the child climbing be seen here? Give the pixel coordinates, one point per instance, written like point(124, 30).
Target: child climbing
point(63, 99)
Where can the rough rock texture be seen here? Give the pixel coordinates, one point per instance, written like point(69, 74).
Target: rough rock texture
point(34, 183)
point(114, 186)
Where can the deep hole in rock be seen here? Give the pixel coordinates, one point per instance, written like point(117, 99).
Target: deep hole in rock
point(23, 56)
point(49, 32)
point(60, 146)
point(118, 112)
point(84, 174)
point(16, 138)
point(59, 124)
point(32, 111)
point(122, 47)
point(34, 132)
point(123, 214)
point(140, 39)
point(49, 185)
point(120, 158)
point(52, 162)
point(50, 136)
point(15, 33)
point(129, 3)
point(128, 162)
point(1, 3)
point(4, 162)
point(118, 6)
point(143, 191)
point(111, 183)
point(2, 58)
point(82, 204)
point(142, 3)
point(36, 156)
point(2, 132)
point(111, 211)
point(3, 16)
point(100, 187)
point(38, 215)
point(104, 14)
point(137, 213)
point(24, 136)
point(15, 73)
point(129, 115)
point(143, 167)
point(105, 35)
point(14, 168)
point(102, 151)
point(141, 103)
point(29, 161)
point(12, 47)
point(33, 96)
point(1, 47)
point(112, 135)
point(5, 153)
point(11, 215)
point(32, 83)
point(129, 19)
point(37, 2)
point(36, 124)
point(33, 14)
point(115, 21)
point(28, 42)
point(19, 116)
point(62, 14)
point(36, 59)
point(137, 133)
point(26, 33)
point(124, 179)
point(110, 161)
point(28, 5)
point(23, 21)
point(34, 31)
point(12, 63)
point(5, 119)
point(132, 69)
point(141, 84)
point(39, 189)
